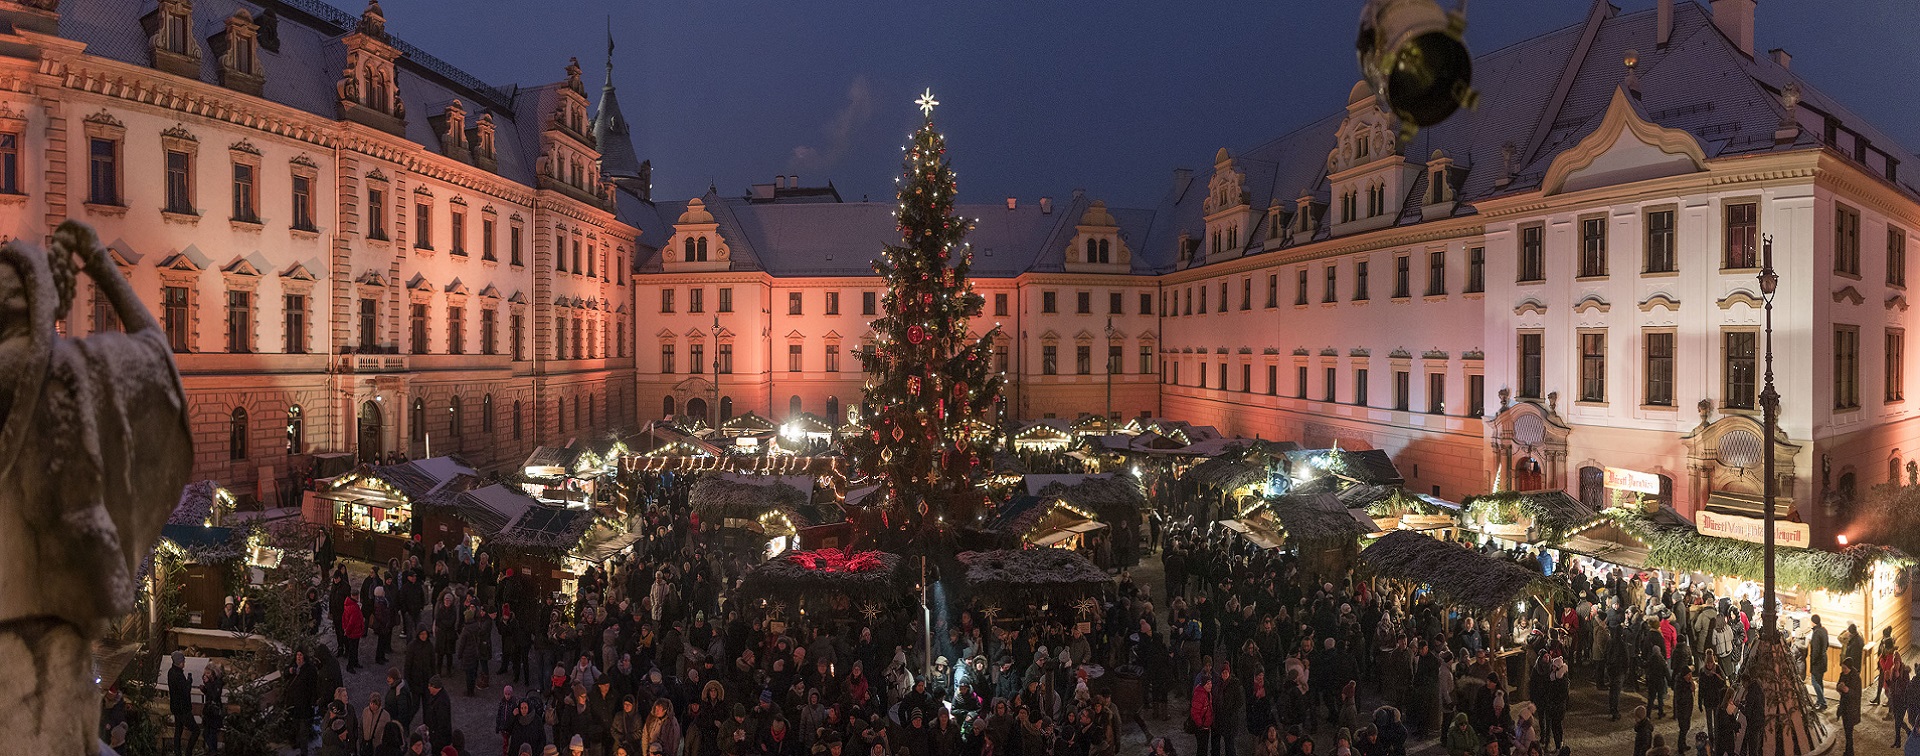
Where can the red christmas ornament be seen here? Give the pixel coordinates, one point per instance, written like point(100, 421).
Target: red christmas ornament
point(916, 334)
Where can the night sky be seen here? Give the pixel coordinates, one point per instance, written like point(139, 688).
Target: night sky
point(1039, 98)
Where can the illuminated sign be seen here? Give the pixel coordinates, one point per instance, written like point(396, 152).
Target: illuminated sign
point(1753, 529)
point(1620, 479)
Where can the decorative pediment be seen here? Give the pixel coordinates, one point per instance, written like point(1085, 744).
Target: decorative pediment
point(371, 278)
point(1739, 297)
point(1299, 351)
point(831, 335)
point(457, 287)
point(1434, 354)
point(104, 118)
point(1660, 299)
point(1359, 352)
point(517, 297)
point(302, 161)
point(298, 273)
point(1530, 306)
point(1329, 352)
point(179, 261)
point(376, 175)
point(696, 334)
point(490, 292)
point(240, 267)
point(1592, 302)
point(796, 336)
point(124, 258)
point(180, 132)
point(1083, 336)
point(1897, 301)
point(1848, 293)
point(1219, 350)
point(1400, 354)
point(1146, 336)
point(621, 310)
point(1473, 354)
point(666, 333)
point(245, 147)
point(419, 283)
point(1624, 148)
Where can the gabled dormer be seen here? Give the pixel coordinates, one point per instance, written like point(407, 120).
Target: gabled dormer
point(696, 244)
point(170, 38)
point(1444, 178)
point(1370, 179)
point(480, 140)
point(569, 158)
point(237, 47)
point(1097, 246)
point(1229, 217)
point(369, 93)
point(451, 125)
point(1278, 224)
point(1306, 216)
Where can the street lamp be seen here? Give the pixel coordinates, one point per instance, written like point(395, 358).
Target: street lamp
point(1770, 409)
point(713, 410)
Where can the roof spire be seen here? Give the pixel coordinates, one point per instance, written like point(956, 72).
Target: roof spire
point(618, 159)
point(609, 51)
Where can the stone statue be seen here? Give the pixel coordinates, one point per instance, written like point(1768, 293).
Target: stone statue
point(573, 75)
point(94, 449)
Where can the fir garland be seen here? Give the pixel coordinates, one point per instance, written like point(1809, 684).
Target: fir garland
point(1680, 548)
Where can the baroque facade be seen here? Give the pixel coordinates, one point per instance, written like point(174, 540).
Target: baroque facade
point(1558, 283)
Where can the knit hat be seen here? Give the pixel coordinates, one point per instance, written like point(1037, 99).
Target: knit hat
point(739, 710)
point(576, 742)
point(179, 658)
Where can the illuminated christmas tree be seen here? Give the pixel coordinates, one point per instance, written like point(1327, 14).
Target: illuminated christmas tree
point(925, 376)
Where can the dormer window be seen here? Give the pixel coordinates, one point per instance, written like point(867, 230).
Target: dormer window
point(176, 37)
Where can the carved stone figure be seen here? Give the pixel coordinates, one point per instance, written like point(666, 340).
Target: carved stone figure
point(573, 74)
point(94, 448)
point(349, 86)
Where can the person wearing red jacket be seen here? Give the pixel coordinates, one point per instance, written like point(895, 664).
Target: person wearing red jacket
point(1200, 717)
point(353, 627)
point(1668, 634)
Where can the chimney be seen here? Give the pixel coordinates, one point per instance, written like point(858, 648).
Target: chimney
point(793, 181)
point(1735, 19)
point(780, 182)
point(1046, 205)
point(1780, 57)
point(1663, 23)
point(1013, 203)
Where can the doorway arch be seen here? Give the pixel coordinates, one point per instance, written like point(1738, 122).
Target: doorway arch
point(369, 431)
point(697, 409)
point(666, 407)
point(1527, 475)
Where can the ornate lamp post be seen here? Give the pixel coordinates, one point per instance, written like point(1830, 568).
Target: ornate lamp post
point(713, 410)
point(1770, 409)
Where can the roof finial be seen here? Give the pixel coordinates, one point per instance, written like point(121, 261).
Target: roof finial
point(609, 50)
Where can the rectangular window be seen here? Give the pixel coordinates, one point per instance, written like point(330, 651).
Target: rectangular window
point(1593, 247)
point(244, 206)
point(1896, 364)
point(1000, 357)
point(1223, 375)
point(303, 203)
point(9, 163)
point(1330, 390)
point(1187, 309)
point(1436, 393)
point(1273, 380)
point(1402, 276)
point(1300, 381)
point(697, 359)
point(1273, 290)
point(516, 332)
point(1533, 254)
point(1146, 304)
point(726, 299)
point(999, 306)
point(376, 214)
point(1742, 236)
point(697, 299)
point(1223, 296)
point(666, 358)
point(1532, 360)
point(1360, 281)
point(1146, 359)
point(1593, 366)
point(666, 300)
point(1846, 240)
point(1114, 306)
point(1246, 293)
point(1083, 359)
point(103, 172)
point(456, 330)
point(173, 315)
point(1402, 390)
point(1113, 357)
point(1476, 270)
point(1436, 273)
point(1896, 257)
point(295, 306)
point(793, 303)
point(1659, 346)
point(795, 358)
point(726, 359)
point(1661, 257)
point(422, 226)
point(1476, 395)
point(513, 245)
point(239, 322)
point(104, 318)
point(833, 358)
point(1083, 303)
point(1300, 287)
point(833, 303)
point(487, 245)
point(419, 328)
point(369, 309)
point(1740, 366)
point(1846, 367)
point(179, 182)
point(1048, 302)
point(489, 328)
point(868, 301)
point(1329, 291)
point(457, 228)
point(1049, 359)
point(1360, 376)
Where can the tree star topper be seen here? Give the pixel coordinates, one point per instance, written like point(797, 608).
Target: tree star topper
point(926, 102)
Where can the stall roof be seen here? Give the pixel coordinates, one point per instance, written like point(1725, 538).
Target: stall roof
point(424, 478)
point(491, 509)
point(1554, 512)
point(1255, 533)
point(1320, 517)
point(196, 503)
point(1455, 573)
point(553, 457)
point(544, 527)
point(1674, 544)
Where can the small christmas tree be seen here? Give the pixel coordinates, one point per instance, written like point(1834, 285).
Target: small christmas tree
point(925, 376)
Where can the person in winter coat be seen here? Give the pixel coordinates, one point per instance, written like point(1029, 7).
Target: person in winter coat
point(1728, 720)
point(662, 728)
point(213, 709)
point(627, 726)
point(1229, 712)
point(302, 690)
point(1200, 717)
point(437, 714)
point(419, 666)
point(400, 701)
point(1642, 731)
point(1898, 691)
point(180, 704)
point(1850, 694)
point(528, 730)
point(470, 648)
point(1683, 695)
point(381, 625)
point(1425, 711)
point(503, 716)
point(373, 723)
point(1460, 739)
point(353, 627)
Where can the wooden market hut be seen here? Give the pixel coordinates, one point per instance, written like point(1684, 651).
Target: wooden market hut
point(1316, 526)
point(373, 511)
point(766, 506)
point(1457, 575)
point(1399, 509)
point(1044, 434)
point(208, 552)
point(1046, 521)
point(1529, 517)
point(827, 581)
point(1017, 578)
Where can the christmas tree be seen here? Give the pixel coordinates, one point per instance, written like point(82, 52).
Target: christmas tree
point(925, 377)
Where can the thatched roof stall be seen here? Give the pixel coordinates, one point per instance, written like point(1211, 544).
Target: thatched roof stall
point(825, 573)
point(1320, 520)
point(1054, 573)
point(1456, 574)
point(1230, 473)
point(1528, 516)
point(774, 505)
point(1112, 497)
point(1680, 547)
point(1044, 521)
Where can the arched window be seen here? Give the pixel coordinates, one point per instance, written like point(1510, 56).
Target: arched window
point(417, 420)
point(560, 415)
point(456, 418)
point(793, 407)
point(703, 249)
point(591, 414)
point(578, 420)
point(516, 420)
point(296, 429)
point(486, 413)
point(1105, 255)
point(726, 408)
point(689, 255)
point(833, 411)
point(666, 407)
point(1593, 488)
point(237, 435)
point(1093, 251)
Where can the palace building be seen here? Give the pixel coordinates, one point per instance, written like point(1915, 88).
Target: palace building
point(1559, 283)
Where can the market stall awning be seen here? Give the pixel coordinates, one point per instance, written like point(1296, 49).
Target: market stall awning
point(1046, 570)
point(867, 576)
point(1079, 528)
point(748, 424)
point(1674, 544)
point(1609, 551)
point(1455, 573)
point(600, 549)
point(1255, 532)
point(1319, 518)
point(1115, 498)
point(1553, 513)
point(544, 528)
point(551, 461)
point(491, 509)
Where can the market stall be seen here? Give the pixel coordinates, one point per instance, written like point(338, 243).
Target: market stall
point(1401, 510)
point(374, 510)
point(1318, 527)
point(1459, 576)
point(1526, 517)
point(1043, 579)
point(762, 511)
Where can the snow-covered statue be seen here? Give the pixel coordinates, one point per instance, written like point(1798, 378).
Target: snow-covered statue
point(94, 449)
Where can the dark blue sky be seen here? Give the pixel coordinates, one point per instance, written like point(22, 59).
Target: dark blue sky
point(1038, 97)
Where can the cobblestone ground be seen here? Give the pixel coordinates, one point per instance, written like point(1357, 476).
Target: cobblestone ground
point(1589, 731)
